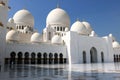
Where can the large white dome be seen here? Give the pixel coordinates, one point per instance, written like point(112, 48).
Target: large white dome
point(56, 40)
point(24, 17)
point(115, 44)
point(12, 35)
point(88, 27)
point(58, 16)
point(36, 37)
point(79, 28)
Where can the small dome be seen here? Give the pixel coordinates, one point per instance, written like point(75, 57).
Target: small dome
point(93, 34)
point(58, 16)
point(44, 30)
point(66, 29)
point(12, 35)
point(88, 27)
point(115, 44)
point(24, 17)
point(11, 23)
point(26, 29)
point(36, 38)
point(79, 28)
point(11, 20)
point(113, 38)
point(56, 40)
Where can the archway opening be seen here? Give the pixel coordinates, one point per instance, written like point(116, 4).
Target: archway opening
point(33, 58)
point(39, 56)
point(55, 58)
point(49, 35)
point(84, 57)
point(102, 57)
point(19, 59)
point(45, 58)
point(114, 58)
point(93, 55)
point(61, 58)
point(12, 58)
point(26, 58)
point(117, 58)
point(50, 58)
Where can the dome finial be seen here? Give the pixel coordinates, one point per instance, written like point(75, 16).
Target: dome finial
point(83, 19)
point(77, 19)
point(58, 6)
point(24, 8)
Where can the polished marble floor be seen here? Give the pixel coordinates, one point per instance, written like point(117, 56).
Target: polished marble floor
point(106, 71)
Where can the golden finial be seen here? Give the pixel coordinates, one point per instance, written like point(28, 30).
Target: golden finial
point(58, 6)
point(77, 19)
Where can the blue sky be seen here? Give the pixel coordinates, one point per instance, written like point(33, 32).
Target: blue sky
point(103, 15)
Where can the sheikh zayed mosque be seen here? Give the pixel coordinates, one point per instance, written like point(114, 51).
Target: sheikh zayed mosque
point(59, 42)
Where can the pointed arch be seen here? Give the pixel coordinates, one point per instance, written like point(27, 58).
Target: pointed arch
point(84, 57)
point(12, 57)
point(55, 58)
point(61, 58)
point(39, 58)
point(102, 57)
point(45, 58)
point(26, 58)
point(50, 58)
point(93, 55)
point(19, 59)
point(33, 55)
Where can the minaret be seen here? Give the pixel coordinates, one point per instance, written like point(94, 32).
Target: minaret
point(3, 24)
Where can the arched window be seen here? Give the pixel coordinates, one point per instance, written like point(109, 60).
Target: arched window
point(117, 57)
point(57, 28)
point(84, 57)
point(22, 27)
point(114, 58)
point(60, 28)
point(102, 57)
point(49, 35)
point(19, 27)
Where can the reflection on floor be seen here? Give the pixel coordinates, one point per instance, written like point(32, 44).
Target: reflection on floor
point(107, 71)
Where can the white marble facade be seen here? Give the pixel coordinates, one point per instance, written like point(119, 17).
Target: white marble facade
point(59, 42)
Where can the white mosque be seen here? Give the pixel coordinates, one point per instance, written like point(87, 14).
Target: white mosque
point(59, 43)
